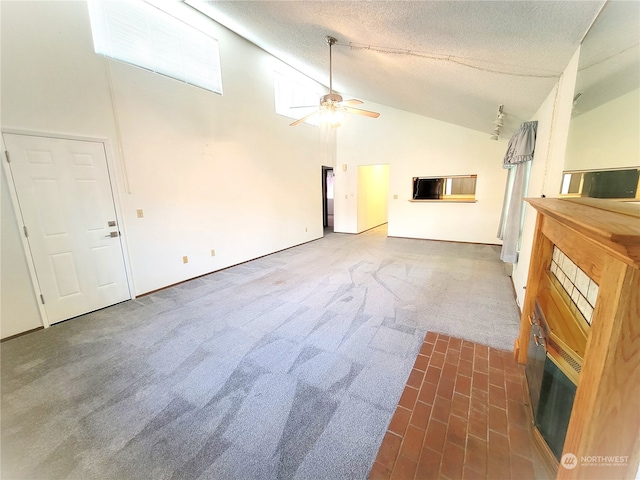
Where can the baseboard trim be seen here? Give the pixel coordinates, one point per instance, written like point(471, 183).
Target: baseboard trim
point(225, 268)
point(21, 334)
point(515, 295)
point(447, 241)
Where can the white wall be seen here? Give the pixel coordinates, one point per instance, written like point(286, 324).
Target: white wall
point(607, 136)
point(553, 118)
point(418, 146)
point(18, 306)
point(373, 196)
point(209, 171)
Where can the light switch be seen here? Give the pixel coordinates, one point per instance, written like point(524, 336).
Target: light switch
point(140, 213)
point(395, 197)
point(213, 253)
point(185, 259)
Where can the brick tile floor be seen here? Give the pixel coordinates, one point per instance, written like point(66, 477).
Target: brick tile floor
point(463, 415)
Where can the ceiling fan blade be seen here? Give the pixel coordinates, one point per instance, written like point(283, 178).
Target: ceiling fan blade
point(353, 101)
point(359, 111)
point(305, 106)
point(303, 119)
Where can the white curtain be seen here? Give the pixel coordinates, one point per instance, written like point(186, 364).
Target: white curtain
point(518, 160)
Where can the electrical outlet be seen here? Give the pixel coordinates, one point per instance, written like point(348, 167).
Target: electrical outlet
point(185, 259)
point(213, 253)
point(140, 213)
point(395, 197)
point(306, 229)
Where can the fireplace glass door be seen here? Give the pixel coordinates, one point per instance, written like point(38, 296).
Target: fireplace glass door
point(554, 406)
point(536, 356)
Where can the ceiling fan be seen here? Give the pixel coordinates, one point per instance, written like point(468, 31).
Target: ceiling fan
point(332, 107)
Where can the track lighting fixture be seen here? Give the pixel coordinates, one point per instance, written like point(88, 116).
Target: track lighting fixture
point(498, 124)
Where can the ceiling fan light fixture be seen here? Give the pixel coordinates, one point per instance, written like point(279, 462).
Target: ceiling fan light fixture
point(332, 115)
point(332, 107)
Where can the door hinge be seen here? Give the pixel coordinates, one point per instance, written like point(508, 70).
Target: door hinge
point(42, 298)
point(6, 154)
point(26, 233)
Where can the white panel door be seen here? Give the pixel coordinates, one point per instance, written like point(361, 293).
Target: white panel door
point(66, 203)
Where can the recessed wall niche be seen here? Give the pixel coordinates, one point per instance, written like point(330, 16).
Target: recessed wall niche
point(455, 188)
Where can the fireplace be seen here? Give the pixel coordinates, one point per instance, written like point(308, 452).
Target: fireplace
point(589, 290)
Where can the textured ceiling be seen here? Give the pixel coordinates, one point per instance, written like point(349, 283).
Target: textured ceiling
point(455, 61)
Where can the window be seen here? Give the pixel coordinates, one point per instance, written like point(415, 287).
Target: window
point(621, 184)
point(293, 99)
point(141, 34)
point(459, 188)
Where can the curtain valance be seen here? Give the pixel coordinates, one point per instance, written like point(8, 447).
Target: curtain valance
point(522, 145)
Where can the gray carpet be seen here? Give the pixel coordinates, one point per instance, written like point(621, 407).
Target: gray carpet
point(289, 366)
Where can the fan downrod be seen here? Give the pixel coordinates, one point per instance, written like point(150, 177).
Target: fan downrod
point(330, 41)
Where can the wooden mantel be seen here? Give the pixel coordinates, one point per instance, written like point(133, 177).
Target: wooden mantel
point(602, 237)
point(614, 225)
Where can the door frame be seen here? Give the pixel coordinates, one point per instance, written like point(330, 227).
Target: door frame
point(325, 218)
point(114, 180)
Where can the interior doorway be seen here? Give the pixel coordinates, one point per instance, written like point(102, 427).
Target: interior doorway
point(327, 198)
point(373, 196)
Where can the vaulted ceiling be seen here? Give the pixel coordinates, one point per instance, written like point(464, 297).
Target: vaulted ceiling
point(454, 60)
